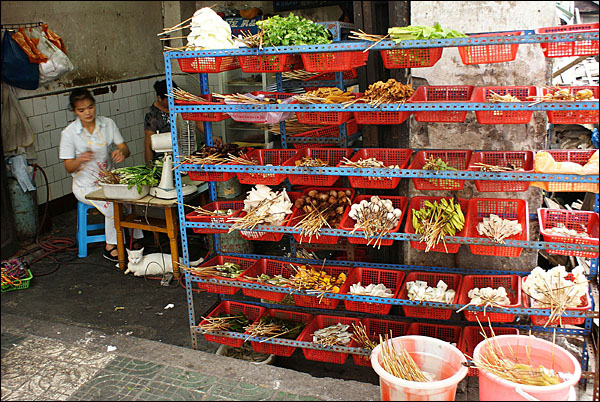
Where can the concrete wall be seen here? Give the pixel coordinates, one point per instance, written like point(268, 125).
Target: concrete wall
point(529, 68)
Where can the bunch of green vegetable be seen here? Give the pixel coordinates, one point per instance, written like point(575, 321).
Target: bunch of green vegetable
point(412, 32)
point(290, 329)
point(235, 322)
point(292, 31)
point(138, 176)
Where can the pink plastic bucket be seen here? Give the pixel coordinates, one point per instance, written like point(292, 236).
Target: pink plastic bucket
point(432, 355)
point(494, 388)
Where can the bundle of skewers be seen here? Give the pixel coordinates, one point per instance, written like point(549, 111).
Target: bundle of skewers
point(293, 127)
point(369, 163)
point(399, 363)
point(556, 93)
point(247, 100)
point(273, 327)
point(333, 335)
point(297, 75)
point(390, 91)
point(321, 208)
point(183, 95)
point(308, 278)
point(495, 98)
point(308, 161)
point(225, 322)
point(326, 95)
point(263, 206)
point(376, 218)
point(226, 270)
point(219, 154)
point(361, 35)
point(484, 167)
point(360, 336)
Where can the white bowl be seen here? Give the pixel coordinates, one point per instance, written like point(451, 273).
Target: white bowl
point(121, 192)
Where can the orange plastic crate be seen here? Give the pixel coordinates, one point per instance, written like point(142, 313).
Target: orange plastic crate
point(324, 303)
point(519, 159)
point(574, 116)
point(324, 321)
point(392, 279)
point(458, 159)
point(253, 313)
point(325, 132)
point(523, 93)
point(346, 75)
point(417, 203)
point(578, 220)
point(245, 263)
point(274, 157)
point(411, 58)
point(580, 156)
point(268, 63)
point(569, 49)
point(271, 268)
point(480, 208)
point(210, 116)
point(347, 224)
point(432, 278)
point(471, 337)
point(512, 284)
point(328, 61)
point(193, 216)
point(484, 54)
point(281, 350)
point(442, 93)
point(374, 328)
point(332, 156)
point(209, 64)
point(389, 157)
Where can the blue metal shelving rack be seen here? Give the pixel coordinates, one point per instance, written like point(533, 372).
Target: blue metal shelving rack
point(528, 38)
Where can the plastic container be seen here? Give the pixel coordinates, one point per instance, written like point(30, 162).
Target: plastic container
point(324, 302)
point(490, 54)
point(518, 159)
point(480, 208)
point(504, 116)
point(471, 336)
point(273, 348)
point(387, 117)
point(213, 206)
point(574, 116)
point(245, 263)
point(121, 192)
point(273, 157)
point(262, 117)
point(322, 118)
point(375, 327)
point(580, 156)
point(442, 93)
point(417, 203)
point(538, 352)
point(325, 132)
point(512, 284)
point(268, 63)
point(251, 312)
point(332, 156)
point(209, 64)
point(348, 223)
point(458, 159)
point(271, 268)
point(569, 49)
point(432, 278)
point(324, 321)
point(578, 220)
point(389, 157)
point(211, 175)
point(210, 116)
point(346, 75)
point(411, 58)
point(392, 279)
point(432, 355)
point(23, 285)
point(329, 61)
point(446, 333)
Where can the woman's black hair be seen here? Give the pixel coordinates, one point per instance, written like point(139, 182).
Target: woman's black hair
point(161, 88)
point(80, 94)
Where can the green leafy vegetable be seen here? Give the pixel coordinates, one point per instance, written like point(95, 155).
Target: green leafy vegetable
point(412, 32)
point(293, 31)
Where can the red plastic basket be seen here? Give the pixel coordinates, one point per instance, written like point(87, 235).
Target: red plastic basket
point(442, 93)
point(211, 116)
point(471, 337)
point(333, 156)
point(297, 215)
point(267, 236)
point(574, 116)
point(480, 208)
point(569, 49)
point(324, 303)
point(281, 350)
point(458, 159)
point(432, 278)
point(504, 116)
point(325, 132)
point(213, 206)
point(245, 263)
point(271, 268)
point(417, 203)
point(209, 64)
point(348, 223)
point(389, 157)
point(580, 156)
point(512, 284)
point(489, 53)
point(258, 117)
point(346, 75)
point(374, 328)
point(273, 157)
point(411, 58)
point(253, 313)
point(331, 61)
point(324, 321)
point(518, 159)
point(541, 320)
point(392, 279)
point(446, 333)
point(578, 220)
point(268, 63)
point(386, 117)
point(322, 118)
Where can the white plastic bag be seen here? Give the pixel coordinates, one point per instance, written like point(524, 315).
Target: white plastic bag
point(58, 63)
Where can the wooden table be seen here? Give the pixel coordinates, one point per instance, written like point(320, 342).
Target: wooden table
point(168, 226)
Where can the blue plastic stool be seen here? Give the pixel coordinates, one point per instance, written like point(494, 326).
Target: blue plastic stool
point(83, 239)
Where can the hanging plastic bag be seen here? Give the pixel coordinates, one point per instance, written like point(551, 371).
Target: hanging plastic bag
point(17, 134)
point(58, 63)
point(54, 38)
point(29, 46)
point(17, 70)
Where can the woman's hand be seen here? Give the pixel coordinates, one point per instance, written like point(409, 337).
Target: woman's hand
point(117, 156)
point(86, 156)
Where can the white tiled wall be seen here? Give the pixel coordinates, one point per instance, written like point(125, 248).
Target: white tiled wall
point(49, 115)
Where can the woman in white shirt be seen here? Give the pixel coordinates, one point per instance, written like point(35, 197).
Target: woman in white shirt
point(84, 148)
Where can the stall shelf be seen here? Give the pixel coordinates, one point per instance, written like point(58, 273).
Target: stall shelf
point(527, 38)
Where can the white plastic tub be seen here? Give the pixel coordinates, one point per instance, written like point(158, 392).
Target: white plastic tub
point(121, 192)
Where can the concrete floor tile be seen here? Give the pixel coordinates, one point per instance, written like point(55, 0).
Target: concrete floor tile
point(133, 367)
point(240, 391)
point(110, 386)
